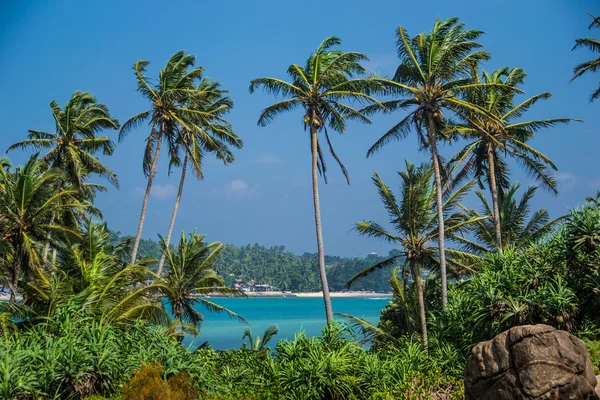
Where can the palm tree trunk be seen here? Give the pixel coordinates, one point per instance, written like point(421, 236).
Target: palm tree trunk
point(440, 207)
point(420, 298)
point(320, 251)
point(174, 214)
point(47, 245)
point(138, 235)
point(52, 218)
point(494, 191)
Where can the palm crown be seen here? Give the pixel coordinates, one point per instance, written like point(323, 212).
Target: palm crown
point(169, 98)
point(73, 145)
point(591, 65)
point(414, 219)
point(211, 132)
point(501, 130)
point(432, 75)
point(519, 226)
point(327, 79)
point(189, 276)
point(28, 202)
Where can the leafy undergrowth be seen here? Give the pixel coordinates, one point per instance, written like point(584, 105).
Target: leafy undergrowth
point(74, 357)
point(593, 347)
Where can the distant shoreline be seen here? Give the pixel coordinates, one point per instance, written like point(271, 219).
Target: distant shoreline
point(311, 294)
point(283, 294)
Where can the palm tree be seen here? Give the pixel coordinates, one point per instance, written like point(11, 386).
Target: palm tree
point(212, 134)
point(592, 65)
point(101, 285)
point(73, 146)
point(499, 133)
point(432, 75)
point(189, 276)
point(260, 344)
point(414, 219)
point(520, 228)
point(28, 202)
point(168, 98)
point(91, 273)
point(327, 79)
point(405, 307)
point(594, 201)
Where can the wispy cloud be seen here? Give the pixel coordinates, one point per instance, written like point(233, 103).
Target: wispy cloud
point(269, 159)
point(566, 180)
point(383, 62)
point(236, 189)
point(159, 192)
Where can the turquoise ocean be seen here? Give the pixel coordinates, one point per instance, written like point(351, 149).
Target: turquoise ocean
point(291, 314)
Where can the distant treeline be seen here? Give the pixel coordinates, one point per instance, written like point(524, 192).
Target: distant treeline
point(284, 269)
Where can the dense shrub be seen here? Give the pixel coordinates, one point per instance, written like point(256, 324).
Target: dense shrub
point(556, 282)
point(148, 384)
point(75, 357)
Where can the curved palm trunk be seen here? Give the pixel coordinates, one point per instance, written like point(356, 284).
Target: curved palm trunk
point(420, 298)
point(138, 235)
point(320, 251)
point(52, 219)
point(47, 245)
point(494, 191)
point(174, 214)
point(440, 207)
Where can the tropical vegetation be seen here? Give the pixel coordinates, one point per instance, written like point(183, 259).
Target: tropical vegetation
point(106, 316)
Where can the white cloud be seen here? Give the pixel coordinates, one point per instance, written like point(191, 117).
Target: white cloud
point(159, 192)
point(236, 189)
point(269, 159)
point(236, 185)
point(566, 180)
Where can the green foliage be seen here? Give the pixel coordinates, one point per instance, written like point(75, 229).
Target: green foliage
point(555, 283)
point(281, 268)
point(71, 356)
point(520, 227)
point(593, 347)
point(189, 276)
point(591, 65)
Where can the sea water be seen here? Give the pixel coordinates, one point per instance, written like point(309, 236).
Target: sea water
point(291, 314)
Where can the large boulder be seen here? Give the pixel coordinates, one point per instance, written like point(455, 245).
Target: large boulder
point(530, 362)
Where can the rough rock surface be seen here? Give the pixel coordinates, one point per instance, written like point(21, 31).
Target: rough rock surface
point(531, 362)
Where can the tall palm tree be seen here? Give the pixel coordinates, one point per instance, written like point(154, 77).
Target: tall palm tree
point(213, 134)
point(501, 133)
point(592, 65)
point(415, 219)
point(189, 276)
point(520, 228)
point(73, 146)
point(168, 99)
point(431, 78)
point(28, 202)
point(327, 78)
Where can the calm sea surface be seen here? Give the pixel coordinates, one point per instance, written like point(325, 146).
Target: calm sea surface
point(290, 314)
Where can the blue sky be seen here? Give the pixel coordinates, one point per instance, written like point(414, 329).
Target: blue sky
point(50, 49)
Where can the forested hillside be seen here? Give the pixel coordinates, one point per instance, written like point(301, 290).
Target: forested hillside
point(284, 269)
